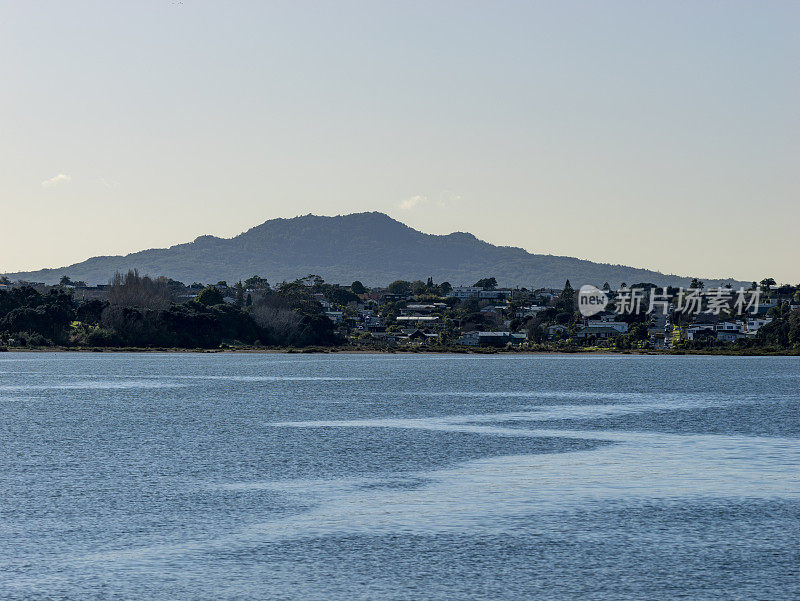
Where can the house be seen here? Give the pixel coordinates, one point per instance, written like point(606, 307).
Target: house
point(465, 292)
point(700, 330)
point(620, 326)
point(373, 323)
point(493, 309)
point(531, 311)
point(731, 326)
point(492, 338)
point(417, 318)
point(384, 337)
point(607, 330)
point(605, 317)
point(421, 337)
point(766, 304)
point(729, 335)
point(556, 331)
point(334, 316)
point(547, 294)
point(754, 323)
point(414, 308)
point(495, 294)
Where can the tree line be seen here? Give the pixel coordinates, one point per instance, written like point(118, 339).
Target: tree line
point(143, 312)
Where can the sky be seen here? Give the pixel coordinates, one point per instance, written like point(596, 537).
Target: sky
point(663, 135)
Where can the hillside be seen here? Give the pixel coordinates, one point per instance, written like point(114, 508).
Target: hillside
point(371, 247)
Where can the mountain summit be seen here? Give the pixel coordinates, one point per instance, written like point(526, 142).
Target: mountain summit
point(370, 247)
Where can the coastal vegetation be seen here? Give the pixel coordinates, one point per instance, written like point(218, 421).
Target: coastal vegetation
point(137, 311)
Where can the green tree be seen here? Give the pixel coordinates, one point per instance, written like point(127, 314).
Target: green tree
point(566, 301)
point(697, 284)
point(256, 283)
point(638, 332)
point(65, 281)
point(239, 287)
point(766, 284)
point(486, 283)
point(399, 287)
point(418, 287)
point(358, 288)
point(794, 327)
point(210, 296)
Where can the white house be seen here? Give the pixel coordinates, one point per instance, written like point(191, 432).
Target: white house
point(418, 318)
point(754, 323)
point(731, 326)
point(465, 291)
point(619, 326)
point(495, 294)
point(492, 338)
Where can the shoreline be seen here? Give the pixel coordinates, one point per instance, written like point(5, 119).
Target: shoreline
point(410, 351)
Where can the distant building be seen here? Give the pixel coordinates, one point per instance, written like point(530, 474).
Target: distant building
point(334, 316)
point(373, 323)
point(600, 331)
point(416, 308)
point(620, 326)
point(531, 311)
point(754, 323)
point(699, 330)
point(495, 294)
point(731, 326)
point(417, 318)
point(465, 292)
point(729, 335)
point(492, 338)
point(556, 331)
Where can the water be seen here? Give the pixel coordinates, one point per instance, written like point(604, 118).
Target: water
point(346, 477)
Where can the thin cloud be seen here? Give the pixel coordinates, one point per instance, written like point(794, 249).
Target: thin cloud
point(413, 202)
point(61, 178)
point(443, 200)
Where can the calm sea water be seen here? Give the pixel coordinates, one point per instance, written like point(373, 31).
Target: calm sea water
point(346, 477)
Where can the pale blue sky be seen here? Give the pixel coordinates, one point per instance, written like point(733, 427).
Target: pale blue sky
point(662, 135)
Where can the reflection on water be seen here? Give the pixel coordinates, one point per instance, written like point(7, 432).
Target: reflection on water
point(395, 477)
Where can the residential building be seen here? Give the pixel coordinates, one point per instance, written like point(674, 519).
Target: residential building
point(606, 330)
point(492, 338)
point(465, 292)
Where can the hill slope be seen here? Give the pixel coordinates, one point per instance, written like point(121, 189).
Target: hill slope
point(371, 247)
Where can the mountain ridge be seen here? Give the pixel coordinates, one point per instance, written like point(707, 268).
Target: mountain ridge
point(371, 247)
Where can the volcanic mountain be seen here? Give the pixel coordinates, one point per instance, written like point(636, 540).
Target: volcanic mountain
point(370, 247)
